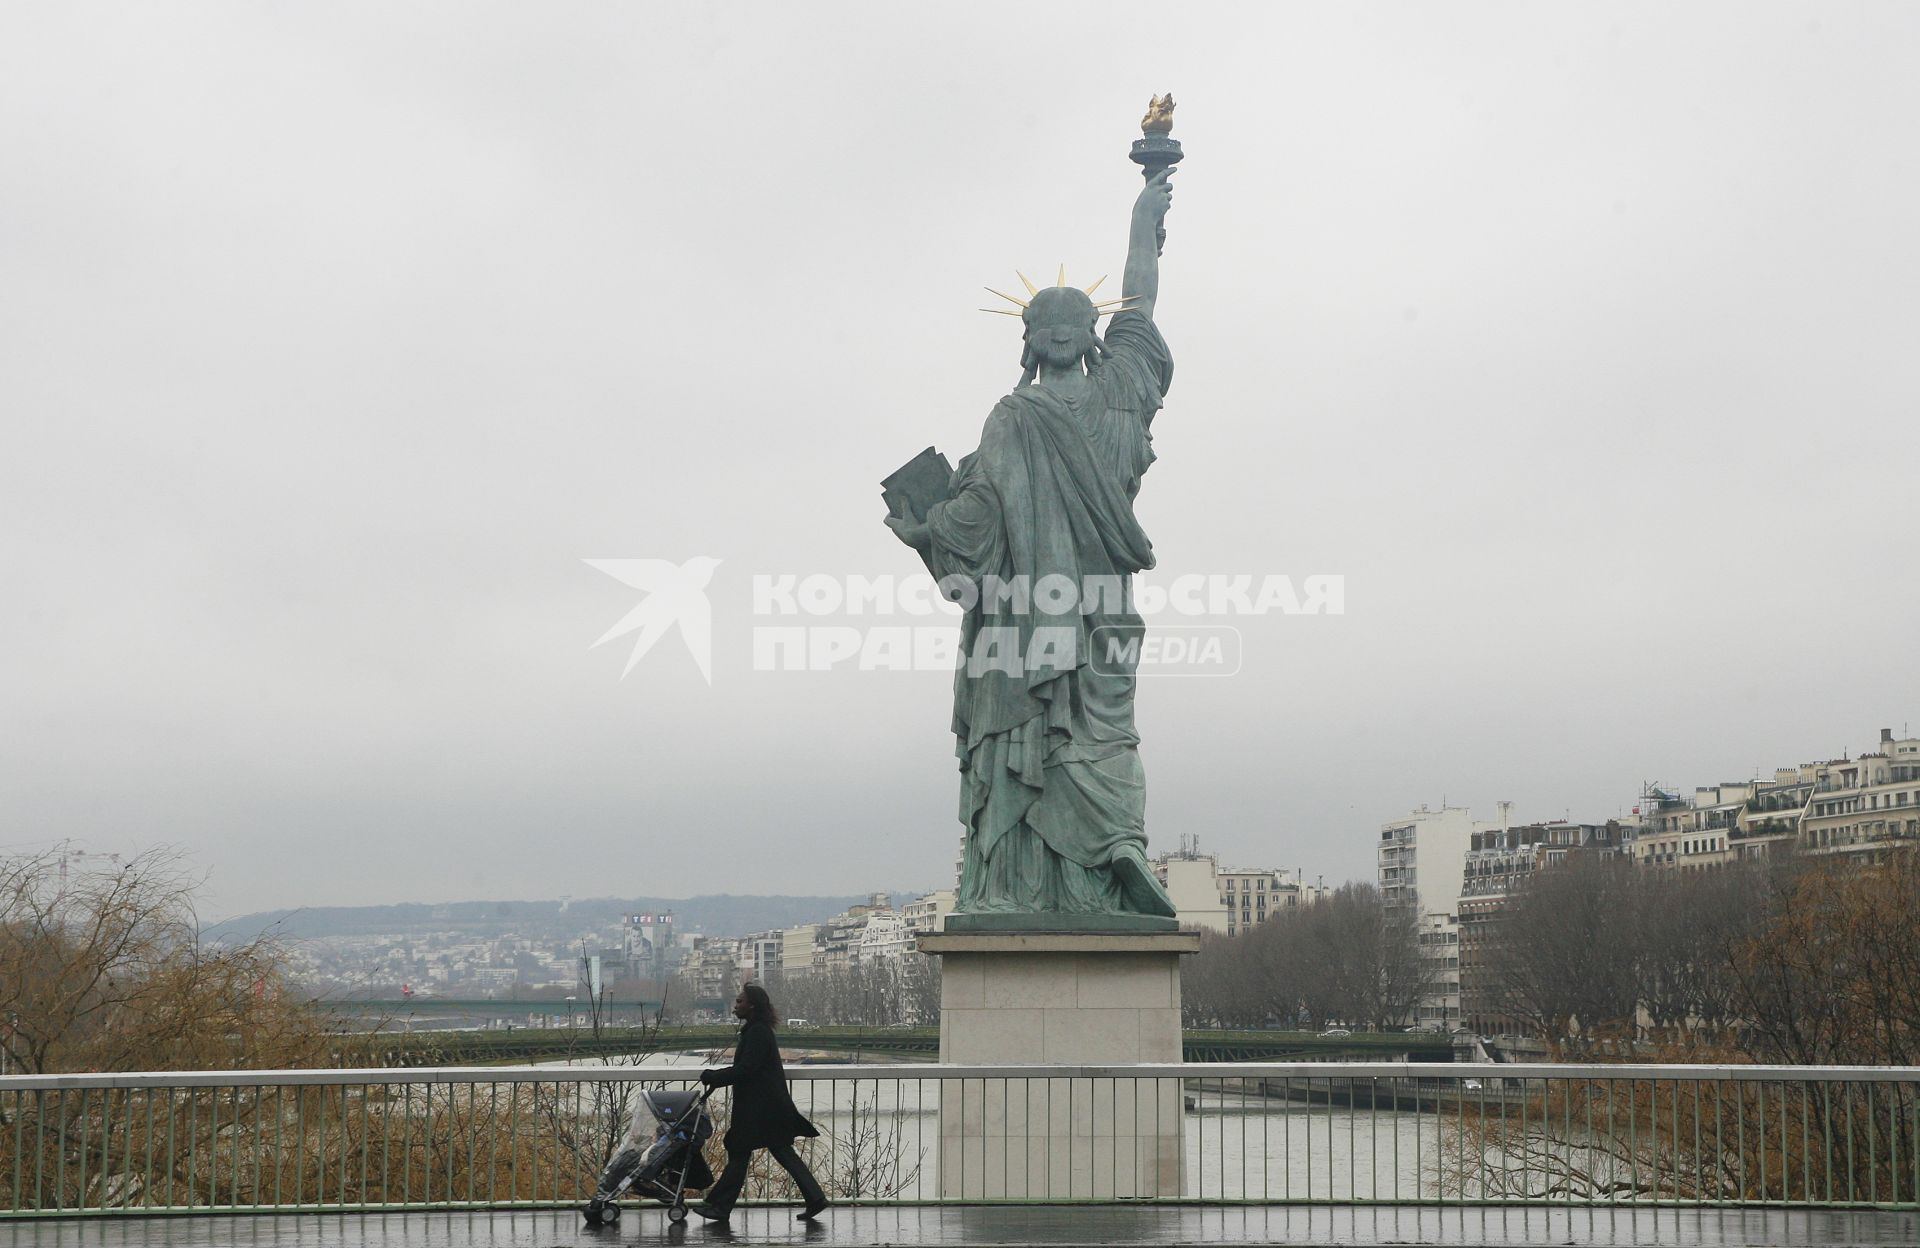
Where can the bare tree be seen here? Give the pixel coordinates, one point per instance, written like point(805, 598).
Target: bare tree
point(1784, 962)
point(920, 990)
point(1349, 957)
point(105, 970)
point(1566, 958)
point(1213, 990)
point(874, 993)
point(1380, 973)
point(1835, 976)
point(1687, 929)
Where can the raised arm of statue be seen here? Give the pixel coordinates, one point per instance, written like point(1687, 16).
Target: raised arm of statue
point(1142, 280)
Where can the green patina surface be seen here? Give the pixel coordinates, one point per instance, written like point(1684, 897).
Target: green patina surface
point(1052, 792)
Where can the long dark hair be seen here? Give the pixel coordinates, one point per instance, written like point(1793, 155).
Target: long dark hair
point(763, 1011)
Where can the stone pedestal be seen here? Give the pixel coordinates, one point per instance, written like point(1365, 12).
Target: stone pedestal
point(1060, 999)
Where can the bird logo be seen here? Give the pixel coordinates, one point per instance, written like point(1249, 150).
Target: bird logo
point(676, 594)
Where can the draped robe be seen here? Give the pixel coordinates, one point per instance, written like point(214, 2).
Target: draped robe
point(1052, 792)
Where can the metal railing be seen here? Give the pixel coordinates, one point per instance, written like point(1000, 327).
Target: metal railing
point(1301, 1132)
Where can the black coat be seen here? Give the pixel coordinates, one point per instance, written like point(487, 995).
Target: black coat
point(763, 1110)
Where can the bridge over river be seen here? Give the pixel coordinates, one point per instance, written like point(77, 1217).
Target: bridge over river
point(1701, 1156)
point(475, 1045)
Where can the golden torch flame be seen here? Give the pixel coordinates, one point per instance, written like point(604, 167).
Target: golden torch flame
point(1159, 118)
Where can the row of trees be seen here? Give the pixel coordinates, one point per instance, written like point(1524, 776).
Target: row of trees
point(1350, 958)
point(874, 993)
point(1782, 960)
point(105, 971)
point(1779, 961)
point(1788, 962)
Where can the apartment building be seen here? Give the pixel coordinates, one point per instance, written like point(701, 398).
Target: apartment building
point(709, 972)
point(1421, 866)
point(1227, 900)
point(1864, 807)
point(1192, 881)
point(797, 948)
point(929, 913)
point(1690, 834)
point(1850, 807)
point(1252, 895)
point(838, 940)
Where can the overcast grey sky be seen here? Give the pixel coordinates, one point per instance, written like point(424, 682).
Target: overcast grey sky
point(1580, 339)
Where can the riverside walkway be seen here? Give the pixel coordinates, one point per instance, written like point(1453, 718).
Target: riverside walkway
point(1002, 1227)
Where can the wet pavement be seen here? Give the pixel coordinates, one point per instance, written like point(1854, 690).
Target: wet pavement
point(1001, 1227)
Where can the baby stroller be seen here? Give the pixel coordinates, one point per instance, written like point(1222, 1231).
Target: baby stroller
point(664, 1166)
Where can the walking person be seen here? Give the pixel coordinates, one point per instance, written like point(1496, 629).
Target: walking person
point(763, 1112)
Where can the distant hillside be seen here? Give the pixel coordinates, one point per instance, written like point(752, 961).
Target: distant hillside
point(722, 914)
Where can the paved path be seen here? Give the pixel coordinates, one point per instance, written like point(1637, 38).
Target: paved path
point(1002, 1227)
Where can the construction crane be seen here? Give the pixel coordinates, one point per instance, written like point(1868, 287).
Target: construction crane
point(69, 856)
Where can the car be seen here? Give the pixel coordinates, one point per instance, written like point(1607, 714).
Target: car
point(1472, 1085)
point(1334, 1031)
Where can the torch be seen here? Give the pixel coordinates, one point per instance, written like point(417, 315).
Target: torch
point(1155, 150)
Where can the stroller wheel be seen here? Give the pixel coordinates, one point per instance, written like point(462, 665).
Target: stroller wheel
point(677, 1214)
point(610, 1212)
point(594, 1213)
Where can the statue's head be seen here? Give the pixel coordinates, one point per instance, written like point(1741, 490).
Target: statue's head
point(1059, 324)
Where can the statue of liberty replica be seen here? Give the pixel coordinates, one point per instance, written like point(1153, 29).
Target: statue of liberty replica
point(1035, 536)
